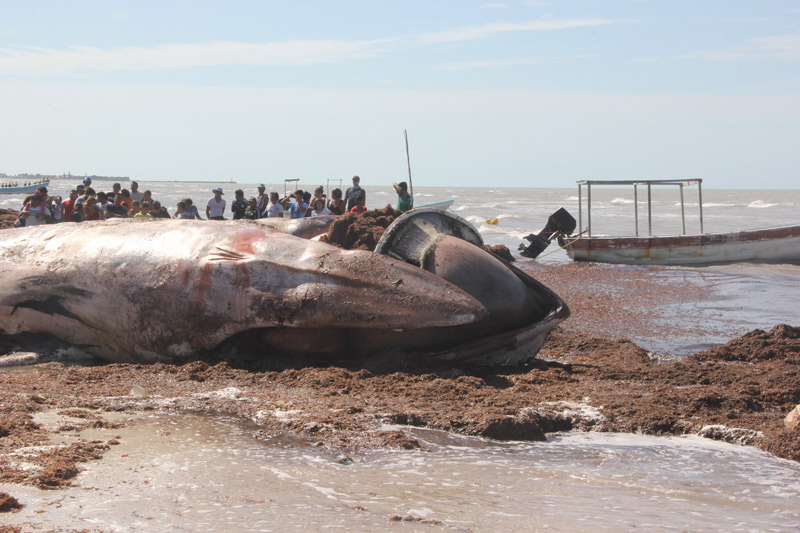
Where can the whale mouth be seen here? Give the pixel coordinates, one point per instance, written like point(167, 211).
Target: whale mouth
point(520, 311)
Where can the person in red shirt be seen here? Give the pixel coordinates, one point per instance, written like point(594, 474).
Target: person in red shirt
point(69, 204)
point(360, 207)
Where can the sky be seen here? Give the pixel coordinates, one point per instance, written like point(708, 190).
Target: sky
point(526, 93)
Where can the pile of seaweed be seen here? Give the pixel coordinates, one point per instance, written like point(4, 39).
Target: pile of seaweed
point(362, 231)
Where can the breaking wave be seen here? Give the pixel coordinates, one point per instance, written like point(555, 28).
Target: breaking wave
point(761, 204)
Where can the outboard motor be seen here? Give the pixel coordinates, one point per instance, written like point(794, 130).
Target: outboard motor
point(559, 223)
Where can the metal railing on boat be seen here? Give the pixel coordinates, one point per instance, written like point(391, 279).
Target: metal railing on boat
point(636, 183)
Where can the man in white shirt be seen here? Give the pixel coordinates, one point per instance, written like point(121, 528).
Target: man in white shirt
point(216, 206)
point(275, 208)
point(136, 196)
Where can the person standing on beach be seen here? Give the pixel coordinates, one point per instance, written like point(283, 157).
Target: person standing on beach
point(118, 209)
point(319, 208)
point(336, 205)
point(135, 194)
point(190, 210)
point(78, 213)
point(251, 213)
point(35, 211)
point(239, 205)
point(159, 211)
point(360, 207)
point(262, 200)
point(352, 193)
point(298, 208)
point(69, 204)
point(215, 208)
point(127, 201)
point(275, 208)
point(404, 200)
point(102, 201)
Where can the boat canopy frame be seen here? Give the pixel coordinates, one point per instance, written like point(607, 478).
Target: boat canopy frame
point(636, 183)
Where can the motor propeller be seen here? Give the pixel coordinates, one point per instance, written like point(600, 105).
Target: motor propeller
point(559, 223)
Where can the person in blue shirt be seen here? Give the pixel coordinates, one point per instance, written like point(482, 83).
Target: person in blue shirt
point(299, 207)
point(239, 205)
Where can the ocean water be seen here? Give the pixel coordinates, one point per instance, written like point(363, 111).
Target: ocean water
point(210, 474)
point(520, 211)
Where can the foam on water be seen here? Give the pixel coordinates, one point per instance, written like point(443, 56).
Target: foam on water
point(187, 472)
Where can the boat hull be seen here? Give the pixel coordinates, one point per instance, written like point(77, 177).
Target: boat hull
point(25, 189)
point(767, 245)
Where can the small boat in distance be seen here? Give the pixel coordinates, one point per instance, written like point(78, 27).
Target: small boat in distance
point(14, 187)
point(767, 245)
point(444, 205)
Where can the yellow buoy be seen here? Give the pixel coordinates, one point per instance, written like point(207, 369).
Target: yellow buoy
point(492, 221)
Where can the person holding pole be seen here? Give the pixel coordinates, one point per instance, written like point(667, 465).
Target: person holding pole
point(404, 200)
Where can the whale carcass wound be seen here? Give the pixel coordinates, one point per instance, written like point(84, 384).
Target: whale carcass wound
point(165, 290)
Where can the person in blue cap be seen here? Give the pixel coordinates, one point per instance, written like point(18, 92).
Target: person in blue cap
point(262, 201)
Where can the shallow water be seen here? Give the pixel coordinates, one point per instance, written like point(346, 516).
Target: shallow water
point(729, 301)
point(187, 472)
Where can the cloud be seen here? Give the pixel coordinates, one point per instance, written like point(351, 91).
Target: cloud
point(171, 56)
point(72, 59)
point(494, 6)
point(504, 63)
point(486, 30)
point(771, 47)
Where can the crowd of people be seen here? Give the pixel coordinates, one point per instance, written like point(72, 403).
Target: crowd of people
point(85, 203)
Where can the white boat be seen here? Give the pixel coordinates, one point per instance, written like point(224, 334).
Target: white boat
point(27, 188)
point(765, 245)
point(442, 206)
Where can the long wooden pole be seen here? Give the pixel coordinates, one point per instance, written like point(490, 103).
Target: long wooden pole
point(408, 159)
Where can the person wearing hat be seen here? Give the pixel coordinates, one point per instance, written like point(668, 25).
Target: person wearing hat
point(352, 194)
point(215, 208)
point(262, 200)
point(87, 182)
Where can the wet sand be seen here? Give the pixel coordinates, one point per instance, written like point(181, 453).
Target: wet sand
point(598, 381)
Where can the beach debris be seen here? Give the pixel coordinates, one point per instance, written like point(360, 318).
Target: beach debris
point(8, 503)
point(792, 420)
point(501, 251)
point(138, 392)
point(741, 436)
point(19, 359)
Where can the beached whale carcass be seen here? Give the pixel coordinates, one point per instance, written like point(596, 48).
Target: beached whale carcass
point(164, 290)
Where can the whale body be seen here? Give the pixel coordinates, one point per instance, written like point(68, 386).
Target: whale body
point(166, 290)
